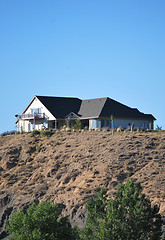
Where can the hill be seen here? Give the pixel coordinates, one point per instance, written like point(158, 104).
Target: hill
point(68, 167)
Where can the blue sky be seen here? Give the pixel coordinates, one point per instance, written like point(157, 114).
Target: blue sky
point(82, 48)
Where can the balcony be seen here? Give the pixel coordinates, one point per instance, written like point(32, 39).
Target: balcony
point(32, 116)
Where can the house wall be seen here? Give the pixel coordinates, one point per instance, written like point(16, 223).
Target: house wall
point(30, 125)
point(37, 104)
point(146, 124)
point(90, 123)
point(97, 123)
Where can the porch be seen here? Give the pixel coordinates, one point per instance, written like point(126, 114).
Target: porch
point(57, 124)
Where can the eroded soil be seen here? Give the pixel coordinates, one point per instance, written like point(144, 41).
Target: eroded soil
point(67, 168)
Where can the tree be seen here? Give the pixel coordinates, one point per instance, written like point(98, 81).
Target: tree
point(158, 127)
point(77, 124)
point(129, 216)
point(41, 222)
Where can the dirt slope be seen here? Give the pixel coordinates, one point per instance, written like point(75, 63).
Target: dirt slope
point(67, 168)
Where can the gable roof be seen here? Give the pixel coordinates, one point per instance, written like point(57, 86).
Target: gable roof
point(60, 107)
point(91, 107)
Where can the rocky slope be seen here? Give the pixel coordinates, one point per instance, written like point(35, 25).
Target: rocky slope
point(68, 167)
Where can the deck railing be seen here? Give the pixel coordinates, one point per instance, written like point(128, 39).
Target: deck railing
point(32, 116)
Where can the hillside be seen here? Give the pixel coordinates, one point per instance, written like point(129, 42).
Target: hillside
point(67, 168)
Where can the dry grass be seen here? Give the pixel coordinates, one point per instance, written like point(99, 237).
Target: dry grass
point(68, 167)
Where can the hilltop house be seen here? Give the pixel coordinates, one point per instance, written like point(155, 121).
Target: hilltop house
point(54, 112)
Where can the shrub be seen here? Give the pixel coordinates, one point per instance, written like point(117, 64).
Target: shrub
point(46, 133)
point(129, 216)
point(35, 132)
point(41, 222)
point(8, 133)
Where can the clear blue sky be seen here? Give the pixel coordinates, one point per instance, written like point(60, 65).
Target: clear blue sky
point(82, 48)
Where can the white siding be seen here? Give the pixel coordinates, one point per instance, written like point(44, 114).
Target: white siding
point(90, 124)
point(23, 125)
point(37, 104)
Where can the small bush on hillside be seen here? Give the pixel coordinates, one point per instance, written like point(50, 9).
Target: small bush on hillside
point(35, 132)
point(41, 222)
point(8, 133)
point(46, 133)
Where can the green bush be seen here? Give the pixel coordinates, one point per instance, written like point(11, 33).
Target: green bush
point(41, 222)
point(46, 133)
point(35, 133)
point(8, 133)
point(129, 216)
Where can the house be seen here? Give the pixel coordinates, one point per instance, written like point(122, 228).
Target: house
point(55, 112)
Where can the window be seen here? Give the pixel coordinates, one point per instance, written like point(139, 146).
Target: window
point(108, 123)
point(29, 126)
point(93, 124)
point(145, 125)
point(97, 123)
point(53, 124)
point(36, 110)
point(102, 123)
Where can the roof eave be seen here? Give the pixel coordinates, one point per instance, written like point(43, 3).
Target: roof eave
point(29, 104)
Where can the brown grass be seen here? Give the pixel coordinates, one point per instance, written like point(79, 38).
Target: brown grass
point(68, 167)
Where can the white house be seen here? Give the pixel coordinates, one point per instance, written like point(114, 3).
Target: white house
point(54, 112)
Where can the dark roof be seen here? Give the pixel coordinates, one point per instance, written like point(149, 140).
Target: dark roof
point(60, 107)
point(119, 110)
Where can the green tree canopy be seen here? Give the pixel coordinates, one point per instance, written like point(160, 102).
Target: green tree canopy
point(41, 222)
point(129, 216)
